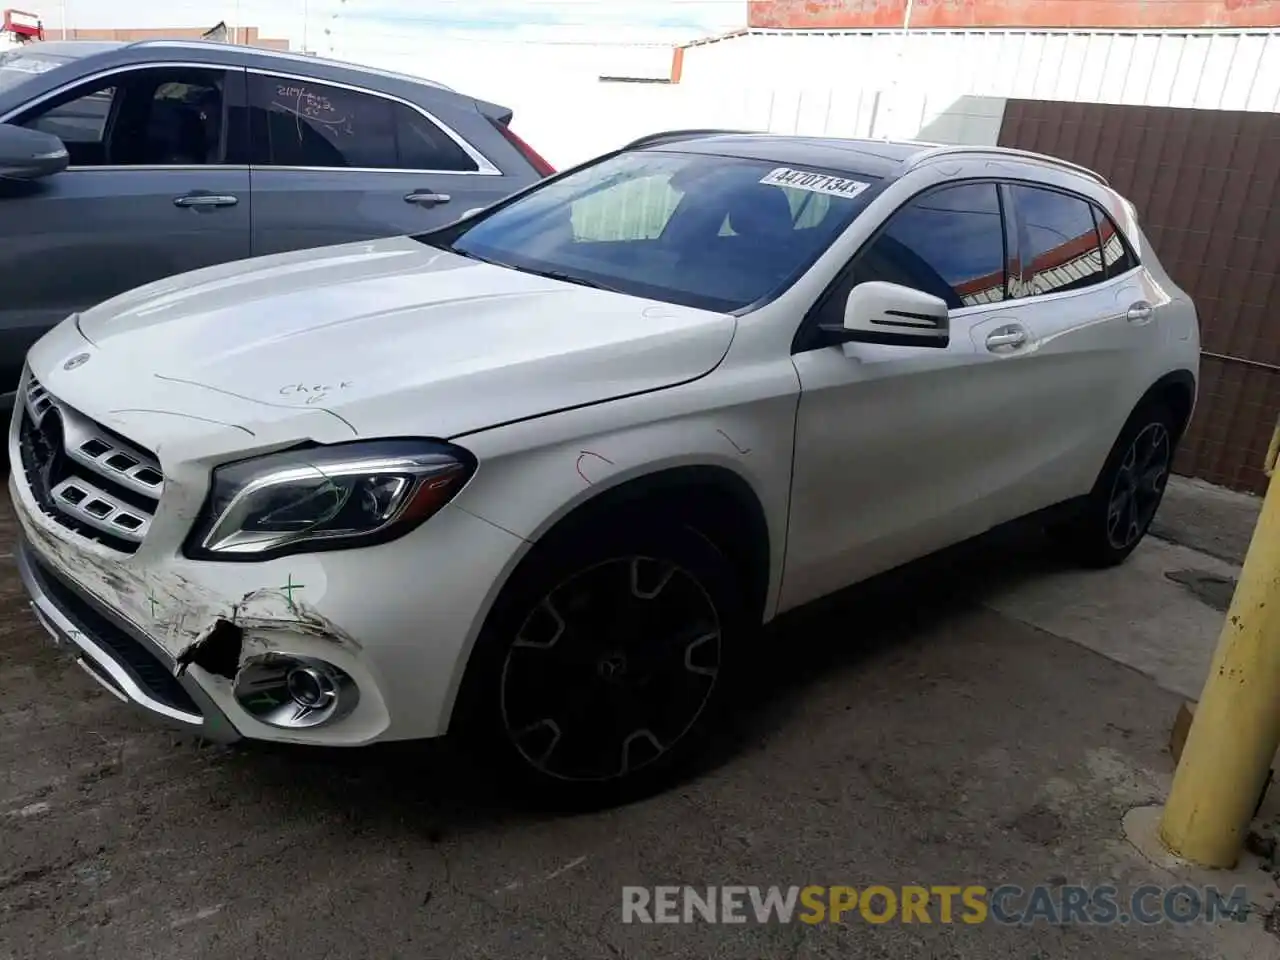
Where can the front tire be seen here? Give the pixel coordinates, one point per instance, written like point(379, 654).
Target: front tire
point(1118, 511)
point(606, 662)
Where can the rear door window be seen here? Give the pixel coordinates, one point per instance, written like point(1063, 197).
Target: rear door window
point(303, 123)
point(1058, 242)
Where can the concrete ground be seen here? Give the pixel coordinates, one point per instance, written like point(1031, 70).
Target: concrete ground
point(994, 731)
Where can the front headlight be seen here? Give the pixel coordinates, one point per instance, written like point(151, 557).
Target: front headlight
point(326, 498)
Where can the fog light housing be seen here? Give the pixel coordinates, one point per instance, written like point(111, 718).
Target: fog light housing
point(294, 692)
point(309, 687)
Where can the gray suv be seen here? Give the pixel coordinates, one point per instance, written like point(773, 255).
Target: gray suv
point(180, 155)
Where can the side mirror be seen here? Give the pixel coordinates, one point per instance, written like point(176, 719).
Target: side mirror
point(29, 154)
point(472, 212)
point(886, 313)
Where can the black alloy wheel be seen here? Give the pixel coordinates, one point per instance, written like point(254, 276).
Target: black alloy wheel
point(1138, 486)
point(611, 669)
point(606, 662)
point(1112, 520)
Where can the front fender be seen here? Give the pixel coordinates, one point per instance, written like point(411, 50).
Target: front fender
point(534, 474)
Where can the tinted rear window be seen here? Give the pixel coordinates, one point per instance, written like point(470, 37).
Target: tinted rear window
point(1059, 243)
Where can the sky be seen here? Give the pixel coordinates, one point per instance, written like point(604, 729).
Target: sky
point(393, 21)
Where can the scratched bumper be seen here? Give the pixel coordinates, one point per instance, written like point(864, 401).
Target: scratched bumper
point(118, 656)
point(399, 619)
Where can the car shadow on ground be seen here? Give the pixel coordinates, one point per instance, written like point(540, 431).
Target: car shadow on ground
point(435, 786)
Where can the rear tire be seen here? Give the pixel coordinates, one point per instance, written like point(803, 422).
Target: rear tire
point(1118, 512)
point(607, 660)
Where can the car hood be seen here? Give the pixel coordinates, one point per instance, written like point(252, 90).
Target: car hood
point(392, 337)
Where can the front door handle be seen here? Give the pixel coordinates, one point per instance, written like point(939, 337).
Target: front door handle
point(1006, 338)
point(1139, 312)
point(205, 201)
point(425, 198)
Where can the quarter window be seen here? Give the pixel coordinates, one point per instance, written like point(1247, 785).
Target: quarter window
point(948, 243)
point(1058, 243)
point(424, 146)
point(300, 123)
point(1116, 256)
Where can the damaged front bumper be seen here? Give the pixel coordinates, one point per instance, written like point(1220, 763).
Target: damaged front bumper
point(192, 642)
point(122, 659)
point(376, 638)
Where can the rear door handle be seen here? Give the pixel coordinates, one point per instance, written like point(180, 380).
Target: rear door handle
point(1139, 312)
point(425, 198)
point(205, 201)
point(1006, 338)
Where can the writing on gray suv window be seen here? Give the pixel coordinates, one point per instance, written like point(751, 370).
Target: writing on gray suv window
point(310, 124)
point(713, 232)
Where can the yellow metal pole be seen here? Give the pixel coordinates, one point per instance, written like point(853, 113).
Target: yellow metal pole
point(1236, 729)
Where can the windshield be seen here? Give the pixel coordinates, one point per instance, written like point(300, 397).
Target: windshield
point(718, 233)
point(18, 66)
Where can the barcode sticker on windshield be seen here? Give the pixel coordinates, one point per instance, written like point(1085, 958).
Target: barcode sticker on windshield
point(814, 182)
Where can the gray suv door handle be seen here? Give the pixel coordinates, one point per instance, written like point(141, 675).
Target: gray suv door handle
point(1010, 337)
point(205, 200)
point(1140, 312)
point(425, 198)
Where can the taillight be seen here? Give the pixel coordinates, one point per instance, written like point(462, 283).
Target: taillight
point(535, 159)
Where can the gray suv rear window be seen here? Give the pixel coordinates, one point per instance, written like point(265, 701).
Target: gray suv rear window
point(301, 123)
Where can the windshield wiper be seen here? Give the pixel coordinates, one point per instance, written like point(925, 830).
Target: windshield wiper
point(549, 274)
point(570, 278)
point(450, 248)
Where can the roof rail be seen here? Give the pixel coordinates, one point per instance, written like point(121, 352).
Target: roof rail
point(674, 136)
point(1012, 152)
point(288, 56)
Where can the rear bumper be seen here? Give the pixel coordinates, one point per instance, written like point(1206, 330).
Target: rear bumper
point(120, 658)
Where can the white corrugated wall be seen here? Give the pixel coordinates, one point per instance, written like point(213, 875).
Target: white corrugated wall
point(946, 86)
point(1215, 70)
point(951, 85)
point(934, 85)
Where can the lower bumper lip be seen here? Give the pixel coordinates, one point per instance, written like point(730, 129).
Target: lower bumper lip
point(126, 663)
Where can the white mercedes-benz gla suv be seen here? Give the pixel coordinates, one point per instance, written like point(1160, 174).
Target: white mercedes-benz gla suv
point(537, 476)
